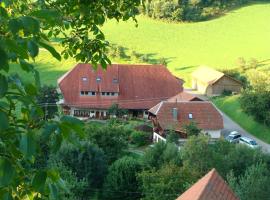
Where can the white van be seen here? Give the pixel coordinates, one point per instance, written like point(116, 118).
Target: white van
point(249, 142)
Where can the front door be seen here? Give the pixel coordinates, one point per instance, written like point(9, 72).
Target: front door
point(97, 114)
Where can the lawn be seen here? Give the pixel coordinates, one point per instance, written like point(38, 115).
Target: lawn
point(230, 105)
point(218, 43)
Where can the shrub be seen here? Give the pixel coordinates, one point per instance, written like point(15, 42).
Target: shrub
point(140, 138)
point(226, 92)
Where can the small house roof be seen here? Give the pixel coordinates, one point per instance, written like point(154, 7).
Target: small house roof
point(210, 187)
point(184, 96)
point(207, 75)
point(203, 113)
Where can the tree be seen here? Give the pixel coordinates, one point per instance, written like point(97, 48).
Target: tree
point(197, 155)
point(192, 129)
point(161, 153)
point(25, 27)
point(114, 110)
point(47, 98)
point(121, 181)
point(87, 162)
point(111, 139)
point(165, 183)
point(254, 184)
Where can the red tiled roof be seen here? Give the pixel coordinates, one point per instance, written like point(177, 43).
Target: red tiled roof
point(209, 187)
point(203, 113)
point(139, 86)
point(184, 96)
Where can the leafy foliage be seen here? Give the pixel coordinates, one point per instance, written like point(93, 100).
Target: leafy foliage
point(192, 129)
point(111, 139)
point(121, 181)
point(140, 138)
point(47, 99)
point(25, 27)
point(114, 110)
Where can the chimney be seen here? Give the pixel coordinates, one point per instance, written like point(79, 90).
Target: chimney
point(175, 113)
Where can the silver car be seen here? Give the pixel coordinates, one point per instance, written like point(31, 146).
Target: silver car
point(233, 137)
point(249, 142)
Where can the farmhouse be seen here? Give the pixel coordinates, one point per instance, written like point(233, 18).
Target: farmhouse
point(88, 93)
point(210, 187)
point(174, 115)
point(211, 82)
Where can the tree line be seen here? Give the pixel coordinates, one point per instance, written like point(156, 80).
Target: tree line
point(188, 10)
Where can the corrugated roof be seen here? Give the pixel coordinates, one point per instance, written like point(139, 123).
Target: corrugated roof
point(209, 187)
point(203, 113)
point(207, 75)
point(139, 86)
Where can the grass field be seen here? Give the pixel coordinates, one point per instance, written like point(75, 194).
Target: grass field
point(230, 105)
point(218, 43)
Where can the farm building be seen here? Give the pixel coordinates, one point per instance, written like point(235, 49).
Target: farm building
point(212, 83)
point(210, 187)
point(89, 93)
point(174, 116)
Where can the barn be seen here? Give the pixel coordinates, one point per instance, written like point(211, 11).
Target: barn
point(213, 83)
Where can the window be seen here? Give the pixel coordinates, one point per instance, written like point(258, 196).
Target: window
point(108, 94)
point(115, 80)
point(98, 79)
point(93, 93)
point(190, 116)
point(82, 92)
point(103, 93)
point(84, 79)
point(112, 93)
point(86, 92)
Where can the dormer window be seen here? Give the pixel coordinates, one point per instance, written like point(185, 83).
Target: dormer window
point(190, 116)
point(84, 79)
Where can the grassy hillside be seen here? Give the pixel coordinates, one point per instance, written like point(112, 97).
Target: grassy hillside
point(230, 106)
point(218, 43)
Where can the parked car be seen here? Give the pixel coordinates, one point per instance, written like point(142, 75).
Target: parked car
point(233, 137)
point(249, 142)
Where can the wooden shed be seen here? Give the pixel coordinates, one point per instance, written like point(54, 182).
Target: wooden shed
point(212, 83)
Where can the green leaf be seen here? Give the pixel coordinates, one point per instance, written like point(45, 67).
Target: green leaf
point(17, 48)
point(7, 172)
point(53, 191)
point(26, 66)
point(3, 85)
point(4, 124)
point(48, 130)
point(30, 89)
point(30, 24)
point(50, 48)
point(5, 195)
point(3, 60)
point(32, 48)
point(28, 144)
point(103, 63)
point(39, 181)
point(37, 78)
point(48, 15)
point(14, 26)
point(71, 120)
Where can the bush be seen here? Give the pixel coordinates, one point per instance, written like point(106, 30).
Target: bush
point(140, 138)
point(226, 92)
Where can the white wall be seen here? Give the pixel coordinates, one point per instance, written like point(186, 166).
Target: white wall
point(213, 133)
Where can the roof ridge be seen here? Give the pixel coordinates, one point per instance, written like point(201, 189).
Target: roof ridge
point(211, 175)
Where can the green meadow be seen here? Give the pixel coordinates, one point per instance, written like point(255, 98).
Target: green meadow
point(231, 106)
point(243, 32)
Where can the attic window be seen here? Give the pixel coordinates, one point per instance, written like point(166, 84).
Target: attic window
point(190, 116)
point(98, 79)
point(84, 79)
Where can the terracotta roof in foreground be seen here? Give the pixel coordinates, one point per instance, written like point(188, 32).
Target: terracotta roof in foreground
point(210, 187)
point(138, 86)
